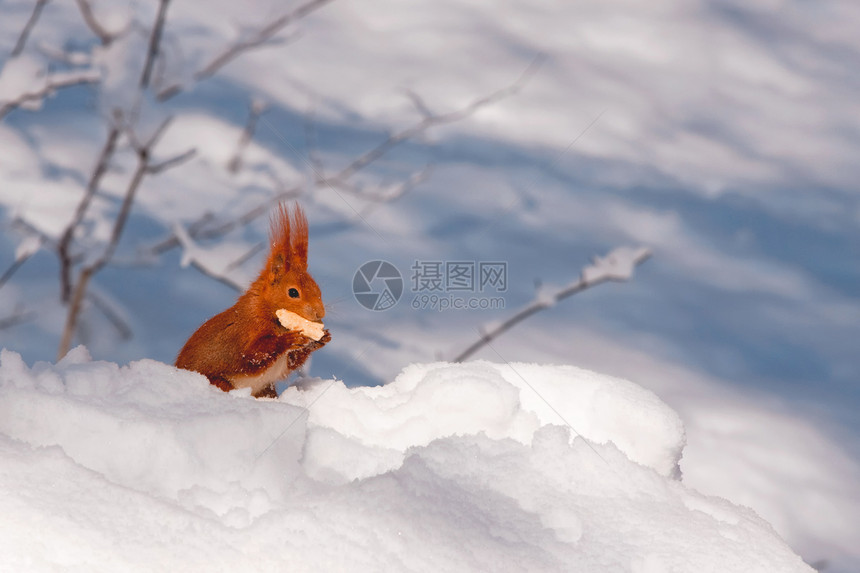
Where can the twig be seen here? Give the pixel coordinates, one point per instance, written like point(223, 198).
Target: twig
point(311, 143)
point(144, 168)
point(119, 323)
point(64, 245)
point(18, 317)
point(13, 268)
point(259, 38)
point(429, 121)
point(342, 180)
point(254, 110)
point(154, 43)
point(245, 257)
point(28, 27)
point(387, 193)
point(93, 24)
point(617, 266)
point(205, 229)
point(419, 103)
point(188, 257)
point(174, 161)
point(223, 279)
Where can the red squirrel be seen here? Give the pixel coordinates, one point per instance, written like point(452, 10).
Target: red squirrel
point(246, 346)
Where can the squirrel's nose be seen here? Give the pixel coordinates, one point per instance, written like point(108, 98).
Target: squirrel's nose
point(318, 312)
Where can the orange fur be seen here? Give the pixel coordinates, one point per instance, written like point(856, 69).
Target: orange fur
point(246, 345)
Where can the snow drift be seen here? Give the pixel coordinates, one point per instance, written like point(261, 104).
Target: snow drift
point(448, 468)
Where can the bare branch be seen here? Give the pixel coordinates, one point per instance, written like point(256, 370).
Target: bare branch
point(64, 244)
point(52, 83)
point(17, 317)
point(431, 121)
point(93, 24)
point(419, 104)
point(205, 228)
point(74, 311)
point(155, 137)
point(342, 180)
point(119, 323)
point(616, 266)
point(28, 27)
point(124, 211)
point(158, 70)
point(90, 270)
point(245, 257)
point(174, 161)
point(311, 145)
point(143, 169)
point(154, 43)
point(256, 108)
point(13, 268)
point(257, 39)
point(386, 193)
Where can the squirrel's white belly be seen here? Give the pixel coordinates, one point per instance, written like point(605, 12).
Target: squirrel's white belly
point(256, 382)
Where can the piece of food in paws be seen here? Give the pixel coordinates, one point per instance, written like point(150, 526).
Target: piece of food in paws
point(292, 321)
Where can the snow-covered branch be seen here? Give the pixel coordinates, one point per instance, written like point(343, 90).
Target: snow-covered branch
point(618, 265)
point(37, 85)
point(26, 249)
point(102, 33)
point(210, 265)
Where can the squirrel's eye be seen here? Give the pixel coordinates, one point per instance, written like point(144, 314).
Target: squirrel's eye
point(294, 293)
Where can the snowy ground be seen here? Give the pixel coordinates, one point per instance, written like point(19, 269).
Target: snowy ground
point(447, 468)
point(721, 135)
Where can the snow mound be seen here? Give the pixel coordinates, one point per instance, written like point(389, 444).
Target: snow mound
point(427, 402)
point(470, 467)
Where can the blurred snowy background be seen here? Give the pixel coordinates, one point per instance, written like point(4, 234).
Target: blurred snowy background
point(721, 135)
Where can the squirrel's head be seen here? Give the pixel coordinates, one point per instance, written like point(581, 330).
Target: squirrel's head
point(285, 281)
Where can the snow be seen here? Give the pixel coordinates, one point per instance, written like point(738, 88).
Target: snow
point(721, 135)
point(617, 265)
point(19, 76)
point(454, 467)
point(24, 81)
point(437, 400)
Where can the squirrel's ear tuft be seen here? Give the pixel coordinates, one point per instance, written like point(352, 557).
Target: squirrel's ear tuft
point(299, 239)
point(288, 236)
point(279, 239)
point(279, 230)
